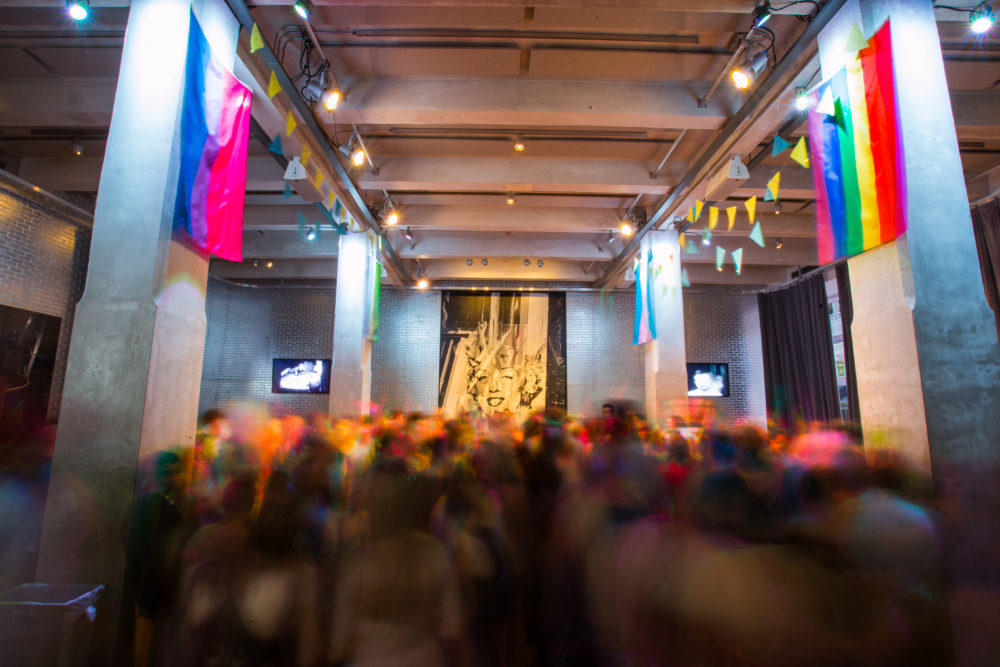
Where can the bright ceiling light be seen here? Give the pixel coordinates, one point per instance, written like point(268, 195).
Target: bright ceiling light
point(311, 234)
point(519, 144)
point(78, 10)
point(423, 283)
point(981, 20)
point(303, 8)
point(332, 99)
point(392, 218)
point(510, 200)
point(625, 228)
point(270, 264)
point(358, 157)
point(741, 79)
point(77, 147)
point(801, 99)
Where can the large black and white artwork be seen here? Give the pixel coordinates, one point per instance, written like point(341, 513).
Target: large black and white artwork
point(502, 352)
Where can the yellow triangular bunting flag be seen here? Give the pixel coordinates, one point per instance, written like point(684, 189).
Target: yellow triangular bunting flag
point(306, 154)
point(680, 239)
point(772, 187)
point(731, 213)
point(713, 217)
point(799, 153)
point(329, 201)
point(256, 41)
point(698, 206)
point(690, 215)
point(273, 87)
point(290, 124)
point(751, 205)
point(319, 179)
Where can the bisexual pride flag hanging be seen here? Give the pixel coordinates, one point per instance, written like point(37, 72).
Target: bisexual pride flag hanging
point(857, 154)
point(215, 129)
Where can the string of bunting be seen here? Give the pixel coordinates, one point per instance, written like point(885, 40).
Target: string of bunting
point(337, 216)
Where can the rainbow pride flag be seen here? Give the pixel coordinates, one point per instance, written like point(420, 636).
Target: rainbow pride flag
point(644, 327)
point(857, 154)
point(215, 129)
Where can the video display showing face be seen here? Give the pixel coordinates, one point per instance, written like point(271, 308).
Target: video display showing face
point(708, 380)
point(300, 376)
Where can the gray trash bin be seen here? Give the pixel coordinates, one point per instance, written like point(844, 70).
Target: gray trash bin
point(47, 625)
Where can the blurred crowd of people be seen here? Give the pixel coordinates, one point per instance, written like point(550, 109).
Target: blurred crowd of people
point(414, 540)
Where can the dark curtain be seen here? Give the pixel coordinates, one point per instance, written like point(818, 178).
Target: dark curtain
point(986, 228)
point(800, 378)
point(846, 319)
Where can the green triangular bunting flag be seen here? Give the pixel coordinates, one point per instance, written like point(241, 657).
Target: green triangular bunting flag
point(275, 146)
point(779, 146)
point(856, 41)
point(756, 235)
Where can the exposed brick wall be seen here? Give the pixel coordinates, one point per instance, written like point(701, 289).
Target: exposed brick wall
point(722, 325)
point(601, 362)
point(405, 358)
point(248, 328)
point(43, 266)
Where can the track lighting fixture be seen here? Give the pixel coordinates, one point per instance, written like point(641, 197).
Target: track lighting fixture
point(801, 99)
point(269, 264)
point(519, 144)
point(409, 235)
point(312, 234)
point(358, 156)
point(256, 263)
point(779, 243)
point(78, 10)
point(332, 99)
point(777, 207)
point(77, 146)
point(484, 262)
point(304, 8)
point(527, 262)
point(422, 281)
point(540, 263)
point(625, 228)
point(510, 199)
point(468, 261)
point(981, 19)
point(761, 14)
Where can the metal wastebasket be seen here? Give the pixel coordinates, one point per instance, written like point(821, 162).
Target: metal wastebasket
point(47, 625)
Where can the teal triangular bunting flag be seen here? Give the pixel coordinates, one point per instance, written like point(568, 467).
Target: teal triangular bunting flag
point(275, 146)
point(720, 257)
point(779, 146)
point(342, 229)
point(756, 235)
point(707, 238)
point(691, 248)
point(738, 260)
point(685, 281)
point(768, 195)
point(288, 190)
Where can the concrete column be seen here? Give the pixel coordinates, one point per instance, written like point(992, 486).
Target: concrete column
point(139, 332)
point(666, 359)
point(351, 377)
point(934, 273)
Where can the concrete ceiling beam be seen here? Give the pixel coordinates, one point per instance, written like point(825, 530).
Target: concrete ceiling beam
point(515, 174)
point(450, 103)
point(77, 103)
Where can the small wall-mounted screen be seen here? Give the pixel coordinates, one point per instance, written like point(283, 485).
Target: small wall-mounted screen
point(300, 376)
point(708, 379)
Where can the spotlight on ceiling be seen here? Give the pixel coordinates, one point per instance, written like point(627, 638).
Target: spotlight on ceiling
point(981, 19)
point(741, 79)
point(777, 207)
point(510, 199)
point(779, 243)
point(706, 240)
point(256, 263)
point(78, 10)
point(540, 263)
point(422, 282)
point(392, 218)
point(468, 261)
point(484, 262)
point(358, 156)
point(761, 13)
point(304, 8)
point(312, 234)
point(527, 262)
point(519, 144)
point(409, 235)
point(332, 99)
point(625, 228)
point(77, 146)
point(742, 76)
point(269, 264)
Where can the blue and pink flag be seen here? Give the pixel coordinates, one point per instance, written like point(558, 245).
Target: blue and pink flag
point(215, 129)
point(644, 329)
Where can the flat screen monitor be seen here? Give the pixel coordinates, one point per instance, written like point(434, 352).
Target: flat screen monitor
point(300, 376)
point(708, 380)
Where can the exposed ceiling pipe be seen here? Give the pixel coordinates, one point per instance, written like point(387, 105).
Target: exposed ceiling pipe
point(762, 97)
point(355, 202)
point(656, 172)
